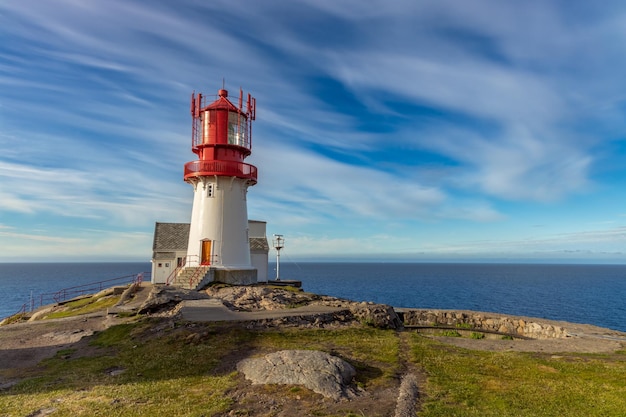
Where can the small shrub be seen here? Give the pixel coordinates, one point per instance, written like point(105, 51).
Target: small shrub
point(477, 336)
point(463, 326)
point(507, 337)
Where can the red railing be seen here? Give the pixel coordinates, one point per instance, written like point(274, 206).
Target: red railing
point(200, 271)
point(172, 277)
point(223, 168)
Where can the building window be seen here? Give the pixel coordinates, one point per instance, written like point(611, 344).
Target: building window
point(209, 190)
point(160, 264)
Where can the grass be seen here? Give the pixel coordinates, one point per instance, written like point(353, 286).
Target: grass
point(173, 373)
point(163, 375)
point(84, 306)
point(474, 383)
point(449, 333)
point(181, 371)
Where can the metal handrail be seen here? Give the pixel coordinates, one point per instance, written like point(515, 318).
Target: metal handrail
point(172, 276)
point(200, 270)
point(63, 294)
point(71, 292)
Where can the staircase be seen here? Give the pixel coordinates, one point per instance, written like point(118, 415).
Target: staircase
point(193, 277)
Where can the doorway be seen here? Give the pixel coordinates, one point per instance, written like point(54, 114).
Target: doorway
point(205, 258)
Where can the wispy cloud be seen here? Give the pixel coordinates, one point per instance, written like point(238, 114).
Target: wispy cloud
point(373, 118)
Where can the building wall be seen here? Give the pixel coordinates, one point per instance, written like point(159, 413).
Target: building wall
point(220, 215)
point(259, 261)
point(164, 264)
point(257, 228)
point(258, 257)
point(166, 257)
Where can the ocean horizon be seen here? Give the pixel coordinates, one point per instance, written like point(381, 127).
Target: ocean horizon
point(580, 293)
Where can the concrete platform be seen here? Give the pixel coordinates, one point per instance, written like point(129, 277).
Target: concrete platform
point(214, 310)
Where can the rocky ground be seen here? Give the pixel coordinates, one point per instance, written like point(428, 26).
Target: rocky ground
point(23, 345)
point(26, 343)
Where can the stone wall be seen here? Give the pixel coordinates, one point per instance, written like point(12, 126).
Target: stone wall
point(235, 276)
point(485, 321)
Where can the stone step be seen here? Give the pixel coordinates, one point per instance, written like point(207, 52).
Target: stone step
point(194, 274)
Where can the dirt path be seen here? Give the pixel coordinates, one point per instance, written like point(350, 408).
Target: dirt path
point(23, 345)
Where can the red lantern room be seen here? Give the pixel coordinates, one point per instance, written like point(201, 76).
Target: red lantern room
point(222, 137)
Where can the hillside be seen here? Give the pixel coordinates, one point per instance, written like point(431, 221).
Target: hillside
point(137, 353)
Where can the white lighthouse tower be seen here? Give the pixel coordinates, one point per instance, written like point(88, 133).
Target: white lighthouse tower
point(218, 233)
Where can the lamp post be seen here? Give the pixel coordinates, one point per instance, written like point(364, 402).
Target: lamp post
point(279, 243)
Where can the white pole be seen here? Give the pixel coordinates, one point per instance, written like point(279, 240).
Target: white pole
point(277, 264)
point(278, 244)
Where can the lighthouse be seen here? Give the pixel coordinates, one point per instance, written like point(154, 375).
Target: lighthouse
point(218, 233)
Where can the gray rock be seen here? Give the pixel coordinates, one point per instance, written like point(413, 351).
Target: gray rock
point(162, 297)
point(380, 316)
point(320, 372)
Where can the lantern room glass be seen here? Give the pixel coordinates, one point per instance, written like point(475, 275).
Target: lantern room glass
point(237, 129)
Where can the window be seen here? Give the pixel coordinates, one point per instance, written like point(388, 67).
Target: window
point(237, 129)
point(209, 190)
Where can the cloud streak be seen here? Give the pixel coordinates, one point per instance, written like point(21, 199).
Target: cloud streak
point(380, 127)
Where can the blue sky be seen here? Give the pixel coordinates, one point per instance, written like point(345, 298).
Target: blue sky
point(426, 131)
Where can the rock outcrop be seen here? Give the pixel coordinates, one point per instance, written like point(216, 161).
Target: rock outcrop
point(486, 321)
point(164, 297)
point(380, 316)
point(320, 372)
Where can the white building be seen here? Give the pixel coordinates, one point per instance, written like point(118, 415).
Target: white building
point(169, 250)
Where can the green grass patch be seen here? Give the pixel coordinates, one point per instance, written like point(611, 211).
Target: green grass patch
point(473, 383)
point(84, 306)
point(16, 318)
point(147, 368)
point(477, 335)
point(449, 333)
point(151, 367)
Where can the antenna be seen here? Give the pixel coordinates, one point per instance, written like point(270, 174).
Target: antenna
point(279, 243)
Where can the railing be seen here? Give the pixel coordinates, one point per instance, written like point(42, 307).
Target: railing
point(22, 310)
point(224, 168)
point(194, 277)
point(71, 292)
point(200, 271)
point(172, 276)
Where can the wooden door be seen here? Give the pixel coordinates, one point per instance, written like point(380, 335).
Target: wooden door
point(206, 253)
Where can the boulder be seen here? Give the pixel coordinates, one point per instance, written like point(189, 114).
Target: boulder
point(320, 372)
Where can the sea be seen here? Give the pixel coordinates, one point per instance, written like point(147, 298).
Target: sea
point(592, 294)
